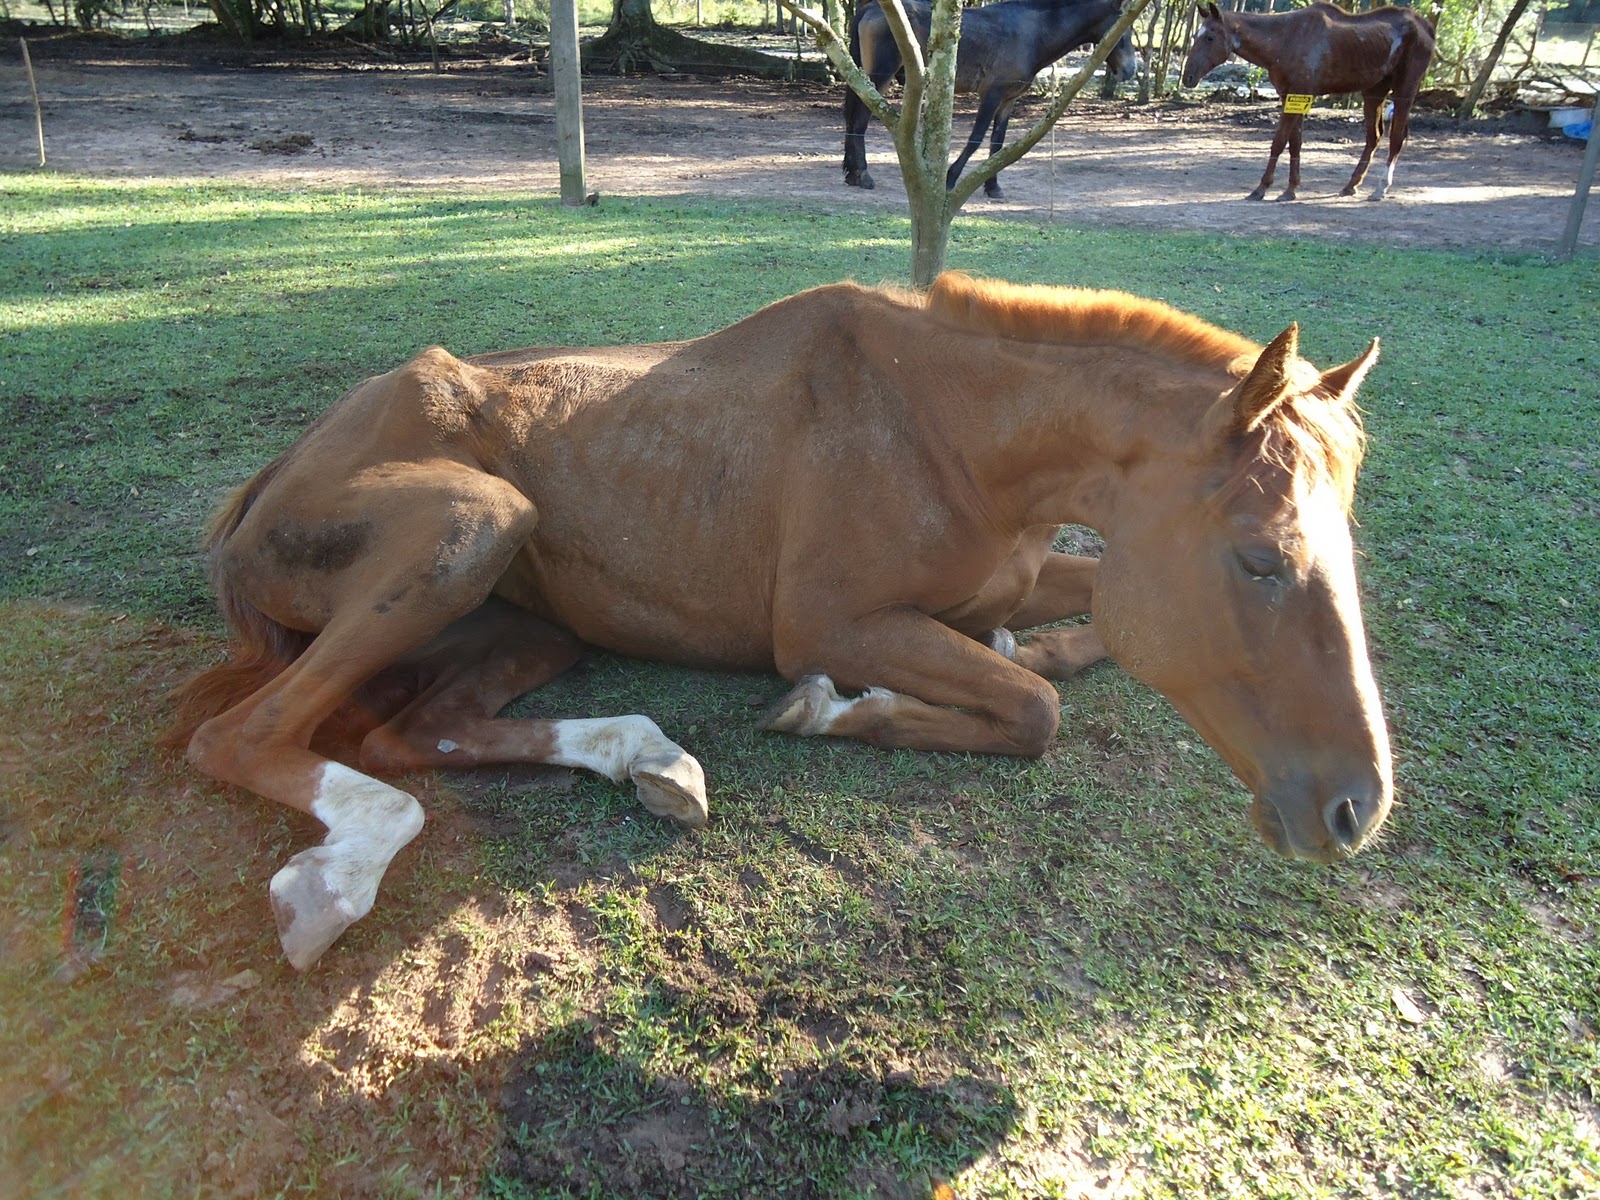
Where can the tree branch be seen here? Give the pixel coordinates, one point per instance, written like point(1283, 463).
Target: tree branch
point(995, 163)
point(832, 45)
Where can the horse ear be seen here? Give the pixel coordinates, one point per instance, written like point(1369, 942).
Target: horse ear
point(1267, 384)
point(1210, 10)
point(1340, 383)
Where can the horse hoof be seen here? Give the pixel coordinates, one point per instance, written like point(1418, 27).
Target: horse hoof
point(1347, 191)
point(993, 191)
point(1258, 194)
point(804, 711)
point(1002, 641)
point(865, 183)
point(1377, 195)
point(309, 912)
point(673, 786)
point(1287, 196)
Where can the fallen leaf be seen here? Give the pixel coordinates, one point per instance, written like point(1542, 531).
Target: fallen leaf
point(1407, 1008)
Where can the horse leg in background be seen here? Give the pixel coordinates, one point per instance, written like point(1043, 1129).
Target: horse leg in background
point(1065, 588)
point(925, 686)
point(487, 659)
point(1372, 105)
point(988, 105)
point(1405, 95)
point(1280, 139)
point(857, 116)
point(1002, 121)
point(1295, 132)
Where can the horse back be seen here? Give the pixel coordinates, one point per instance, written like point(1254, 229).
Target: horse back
point(678, 490)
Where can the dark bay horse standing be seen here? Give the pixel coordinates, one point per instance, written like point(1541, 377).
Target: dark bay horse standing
point(1321, 50)
point(451, 534)
point(1003, 47)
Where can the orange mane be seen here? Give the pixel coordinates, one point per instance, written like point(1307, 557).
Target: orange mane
point(1311, 434)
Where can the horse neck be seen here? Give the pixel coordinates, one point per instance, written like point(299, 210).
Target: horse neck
point(1045, 455)
point(1066, 27)
point(1257, 37)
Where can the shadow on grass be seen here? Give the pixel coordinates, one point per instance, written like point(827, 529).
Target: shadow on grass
point(580, 1121)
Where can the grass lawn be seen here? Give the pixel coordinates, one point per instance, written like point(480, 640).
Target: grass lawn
point(873, 973)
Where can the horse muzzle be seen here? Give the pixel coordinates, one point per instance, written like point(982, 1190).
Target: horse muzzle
point(1295, 824)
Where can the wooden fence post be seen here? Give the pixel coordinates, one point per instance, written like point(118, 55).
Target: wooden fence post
point(566, 70)
point(38, 113)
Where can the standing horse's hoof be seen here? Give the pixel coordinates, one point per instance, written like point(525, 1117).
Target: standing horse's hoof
point(1259, 194)
point(1378, 195)
point(1349, 189)
point(859, 179)
point(993, 191)
point(672, 785)
point(1289, 195)
point(310, 913)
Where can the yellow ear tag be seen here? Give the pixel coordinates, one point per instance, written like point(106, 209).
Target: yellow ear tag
point(1297, 105)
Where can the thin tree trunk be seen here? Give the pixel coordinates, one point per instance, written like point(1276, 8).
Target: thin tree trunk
point(1470, 104)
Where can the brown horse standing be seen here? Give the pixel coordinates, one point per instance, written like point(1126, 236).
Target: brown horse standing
point(858, 488)
point(1322, 50)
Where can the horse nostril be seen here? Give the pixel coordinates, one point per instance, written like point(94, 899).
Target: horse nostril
point(1349, 818)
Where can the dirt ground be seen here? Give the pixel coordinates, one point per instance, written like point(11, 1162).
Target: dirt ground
point(484, 123)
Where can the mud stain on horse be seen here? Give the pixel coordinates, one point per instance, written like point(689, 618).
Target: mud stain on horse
point(331, 546)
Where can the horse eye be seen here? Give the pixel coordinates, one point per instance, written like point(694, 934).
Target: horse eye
point(1260, 566)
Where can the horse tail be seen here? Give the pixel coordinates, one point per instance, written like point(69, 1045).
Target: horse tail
point(260, 648)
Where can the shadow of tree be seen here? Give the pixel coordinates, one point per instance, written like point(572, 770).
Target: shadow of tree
point(579, 1119)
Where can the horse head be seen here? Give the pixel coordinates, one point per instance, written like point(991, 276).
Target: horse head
point(1229, 585)
point(1213, 43)
point(1123, 60)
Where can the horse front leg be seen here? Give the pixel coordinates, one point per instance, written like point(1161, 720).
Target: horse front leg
point(1372, 105)
point(1002, 122)
point(1065, 588)
point(1280, 139)
point(988, 105)
point(484, 661)
point(923, 687)
point(1295, 132)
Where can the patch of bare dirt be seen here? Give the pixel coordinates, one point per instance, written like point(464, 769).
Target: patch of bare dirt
point(487, 124)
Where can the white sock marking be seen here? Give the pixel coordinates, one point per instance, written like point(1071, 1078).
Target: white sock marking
point(609, 746)
point(368, 822)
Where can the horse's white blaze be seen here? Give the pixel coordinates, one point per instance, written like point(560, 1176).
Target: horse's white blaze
point(1325, 524)
point(368, 824)
point(610, 746)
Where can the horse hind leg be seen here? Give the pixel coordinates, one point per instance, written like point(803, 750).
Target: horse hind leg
point(427, 552)
point(1399, 126)
point(856, 118)
point(484, 661)
point(1372, 104)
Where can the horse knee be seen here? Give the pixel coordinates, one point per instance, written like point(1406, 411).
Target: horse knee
point(1031, 723)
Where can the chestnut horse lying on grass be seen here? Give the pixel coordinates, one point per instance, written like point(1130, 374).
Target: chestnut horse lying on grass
point(1321, 50)
point(856, 487)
